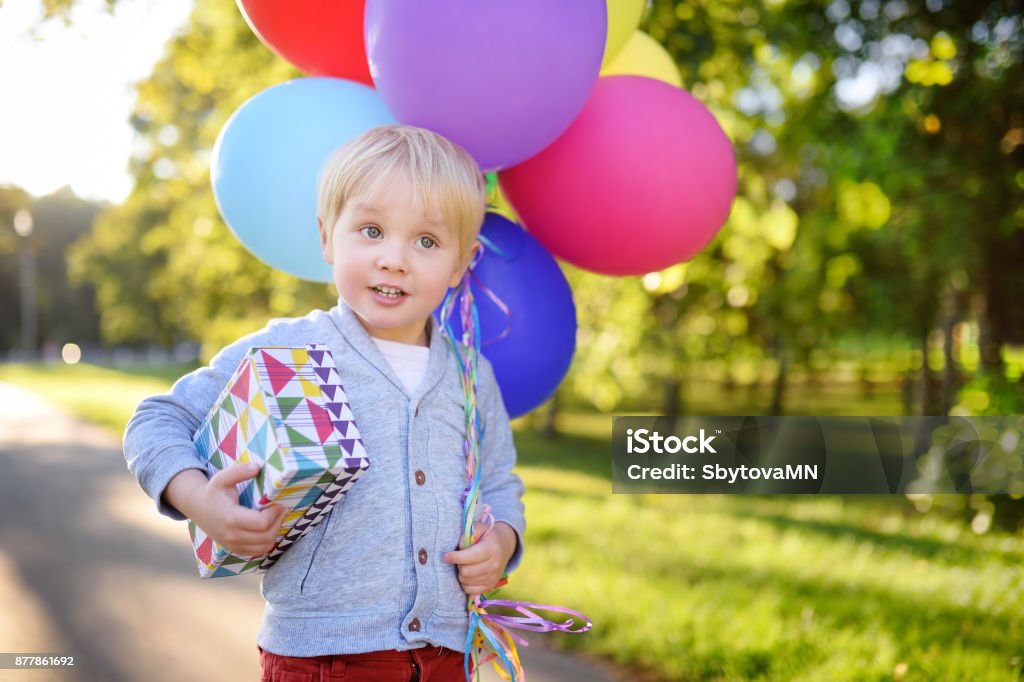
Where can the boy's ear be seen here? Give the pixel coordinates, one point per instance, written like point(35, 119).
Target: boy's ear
point(325, 243)
point(464, 265)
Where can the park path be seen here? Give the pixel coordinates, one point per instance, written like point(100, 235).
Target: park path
point(88, 567)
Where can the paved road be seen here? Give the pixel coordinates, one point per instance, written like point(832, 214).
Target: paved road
point(87, 566)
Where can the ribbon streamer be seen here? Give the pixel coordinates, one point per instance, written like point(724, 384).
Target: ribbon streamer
point(490, 247)
point(489, 638)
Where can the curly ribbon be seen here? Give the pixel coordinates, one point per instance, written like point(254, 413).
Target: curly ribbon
point(489, 639)
point(489, 247)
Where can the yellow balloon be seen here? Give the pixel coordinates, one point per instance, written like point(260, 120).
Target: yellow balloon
point(644, 56)
point(497, 203)
point(623, 18)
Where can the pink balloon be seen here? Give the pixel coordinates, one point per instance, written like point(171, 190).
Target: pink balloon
point(642, 179)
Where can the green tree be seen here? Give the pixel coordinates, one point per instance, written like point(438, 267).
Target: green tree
point(64, 310)
point(846, 174)
point(12, 200)
point(163, 263)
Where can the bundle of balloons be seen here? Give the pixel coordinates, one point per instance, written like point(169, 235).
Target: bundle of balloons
point(602, 156)
point(599, 153)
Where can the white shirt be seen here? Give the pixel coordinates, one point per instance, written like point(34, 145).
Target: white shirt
point(408, 361)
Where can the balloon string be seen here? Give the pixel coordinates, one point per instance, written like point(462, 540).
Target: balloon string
point(489, 638)
point(490, 247)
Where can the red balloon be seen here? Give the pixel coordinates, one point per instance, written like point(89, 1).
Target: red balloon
point(320, 37)
point(642, 179)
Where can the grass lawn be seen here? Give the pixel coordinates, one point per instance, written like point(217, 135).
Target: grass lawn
point(103, 396)
point(716, 587)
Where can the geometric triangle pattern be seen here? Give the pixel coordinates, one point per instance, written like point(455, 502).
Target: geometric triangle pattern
point(285, 409)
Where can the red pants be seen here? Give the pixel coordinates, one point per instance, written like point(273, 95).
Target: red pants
point(429, 664)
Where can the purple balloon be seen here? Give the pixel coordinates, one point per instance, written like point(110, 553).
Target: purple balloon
point(503, 78)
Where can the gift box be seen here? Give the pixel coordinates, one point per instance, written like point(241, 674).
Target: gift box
point(286, 410)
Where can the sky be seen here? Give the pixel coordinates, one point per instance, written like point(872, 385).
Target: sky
point(66, 92)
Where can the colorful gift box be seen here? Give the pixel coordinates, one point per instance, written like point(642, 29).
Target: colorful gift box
point(286, 410)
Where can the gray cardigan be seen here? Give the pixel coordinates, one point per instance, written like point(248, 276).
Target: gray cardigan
point(371, 576)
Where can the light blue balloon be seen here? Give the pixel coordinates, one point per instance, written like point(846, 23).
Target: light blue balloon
point(267, 161)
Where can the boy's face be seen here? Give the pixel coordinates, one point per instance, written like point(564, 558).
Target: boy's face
point(392, 261)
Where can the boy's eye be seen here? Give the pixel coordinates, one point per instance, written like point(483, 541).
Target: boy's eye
point(371, 231)
point(427, 242)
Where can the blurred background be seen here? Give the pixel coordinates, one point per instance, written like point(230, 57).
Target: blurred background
point(873, 264)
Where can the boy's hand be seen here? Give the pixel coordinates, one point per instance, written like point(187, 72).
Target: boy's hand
point(244, 531)
point(481, 566)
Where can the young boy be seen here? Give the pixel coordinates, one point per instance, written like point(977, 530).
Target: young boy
point(377, 590)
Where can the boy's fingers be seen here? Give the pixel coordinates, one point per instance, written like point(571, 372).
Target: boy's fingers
point(273, 516)
point(474, 589)
point(254, 544)
point(250, 550)
point(487, 537)
point(234, 475)
point(473, 573)
point(473, 555)
point(485, 581)
point(282, 512)
point(252, 520)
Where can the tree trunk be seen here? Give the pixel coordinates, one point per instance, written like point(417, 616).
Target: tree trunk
point(550, 428)
point(907, 393)
point(949, 370)
point(672, 403)
point(988, 344)
point(929, 386)
point(779, 389)
point(867, 387)
point(1003, 318)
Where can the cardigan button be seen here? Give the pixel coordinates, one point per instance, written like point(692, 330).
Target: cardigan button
point(423, 556)
point(421, 477)
point(414, 625)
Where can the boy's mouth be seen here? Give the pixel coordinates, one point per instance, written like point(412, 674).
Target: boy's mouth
point(390, 292)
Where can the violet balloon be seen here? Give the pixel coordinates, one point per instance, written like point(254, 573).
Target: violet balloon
point(642, 179)
point(532, 346)
point(503, 78)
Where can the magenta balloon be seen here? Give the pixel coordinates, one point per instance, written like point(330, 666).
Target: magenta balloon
point(503, 78)
point(642, 179)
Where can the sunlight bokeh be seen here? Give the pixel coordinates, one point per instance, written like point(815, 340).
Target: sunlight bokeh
point(69, 90)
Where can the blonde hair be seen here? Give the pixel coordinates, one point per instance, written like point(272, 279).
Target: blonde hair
point(436, 167)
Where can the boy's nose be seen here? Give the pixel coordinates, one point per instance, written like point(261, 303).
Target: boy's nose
point(392, 259)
